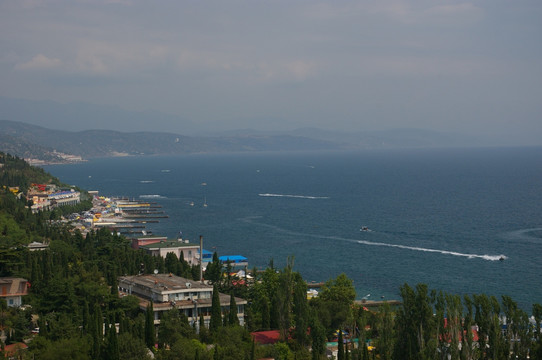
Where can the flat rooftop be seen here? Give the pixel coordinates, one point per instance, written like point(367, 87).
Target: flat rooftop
point(164, 282)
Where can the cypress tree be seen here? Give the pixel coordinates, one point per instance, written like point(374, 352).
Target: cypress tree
point(150, 335)
point(111, 352)
point(340, 347)
point(318, 337)
point(86, 317)
point(216, 316)
point(98, 329)
point(233, 320)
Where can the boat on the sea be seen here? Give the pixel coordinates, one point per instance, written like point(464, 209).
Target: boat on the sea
point(364, 228)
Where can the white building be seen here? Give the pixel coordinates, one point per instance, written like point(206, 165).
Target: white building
point(170, 291)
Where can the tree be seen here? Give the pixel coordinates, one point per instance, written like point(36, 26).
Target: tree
point(150, 335)
point(233, 320)
point(340, 346)
point(414, 328)
point(173, 326)
point(213, 272)
point(334, 304)
point(96, 330)
point(132, 348)
point(216, 314)
point(318, 337)
point(112, 348)
point(385, 332)
point(76, 348)
point(301, 310)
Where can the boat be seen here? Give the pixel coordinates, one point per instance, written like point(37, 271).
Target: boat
point(364, 228)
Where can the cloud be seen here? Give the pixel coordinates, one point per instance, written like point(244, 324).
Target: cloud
point(428, 13)
point(102, 57)
point(39, 62)
point(300, 70)
point(253, 68)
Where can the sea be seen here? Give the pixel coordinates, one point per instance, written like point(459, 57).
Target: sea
point(464, 221)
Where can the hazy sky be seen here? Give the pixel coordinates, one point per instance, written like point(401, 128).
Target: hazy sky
point(347, 65)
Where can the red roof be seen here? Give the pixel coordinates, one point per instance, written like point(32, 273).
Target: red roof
point(266, 337)
point(11, 350)
point(474, 332)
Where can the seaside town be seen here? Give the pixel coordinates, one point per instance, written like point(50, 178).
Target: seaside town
point(87, 262)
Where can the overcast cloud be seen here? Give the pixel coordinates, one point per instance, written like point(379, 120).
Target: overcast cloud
point(346, 65)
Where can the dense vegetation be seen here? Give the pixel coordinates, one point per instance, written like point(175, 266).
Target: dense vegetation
point(73, 301)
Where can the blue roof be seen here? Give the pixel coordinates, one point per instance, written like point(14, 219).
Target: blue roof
point(232, 258)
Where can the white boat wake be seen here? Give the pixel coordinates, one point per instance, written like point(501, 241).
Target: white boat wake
point(486, 257)
point(152, 196)
point(294, 196)
point(445, 252)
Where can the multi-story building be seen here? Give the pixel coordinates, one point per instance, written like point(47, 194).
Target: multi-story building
point(13, 289)
point(167, 291)
point(159, 246)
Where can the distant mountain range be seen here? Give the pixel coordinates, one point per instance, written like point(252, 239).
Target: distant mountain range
point(73, 131)
point(48, 145)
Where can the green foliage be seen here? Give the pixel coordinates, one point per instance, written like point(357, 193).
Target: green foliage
point(213, 272)
point(340, 346)
point(150, 332)
point(75, 347)
point(74, 291)
point(233, 320)
point(173, 326)
point(17, 172)
point(334, 304)
point(132, 348)
point(216, 314)
point(281, 351)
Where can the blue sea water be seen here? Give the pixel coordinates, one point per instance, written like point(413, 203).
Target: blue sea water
point(442, 217)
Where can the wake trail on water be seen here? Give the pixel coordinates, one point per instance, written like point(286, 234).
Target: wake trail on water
point(152, 196)
point(373, 243)
point(524, 235)
point(445, 252)
point(294, 196)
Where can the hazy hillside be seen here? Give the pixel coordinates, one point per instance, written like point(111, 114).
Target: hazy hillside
point(31, 141)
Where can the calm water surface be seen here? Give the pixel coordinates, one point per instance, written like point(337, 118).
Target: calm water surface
point(442, 217)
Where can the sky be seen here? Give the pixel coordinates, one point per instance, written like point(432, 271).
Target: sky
point(455, 66)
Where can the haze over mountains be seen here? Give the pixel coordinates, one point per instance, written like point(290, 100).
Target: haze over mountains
point(35, 129)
